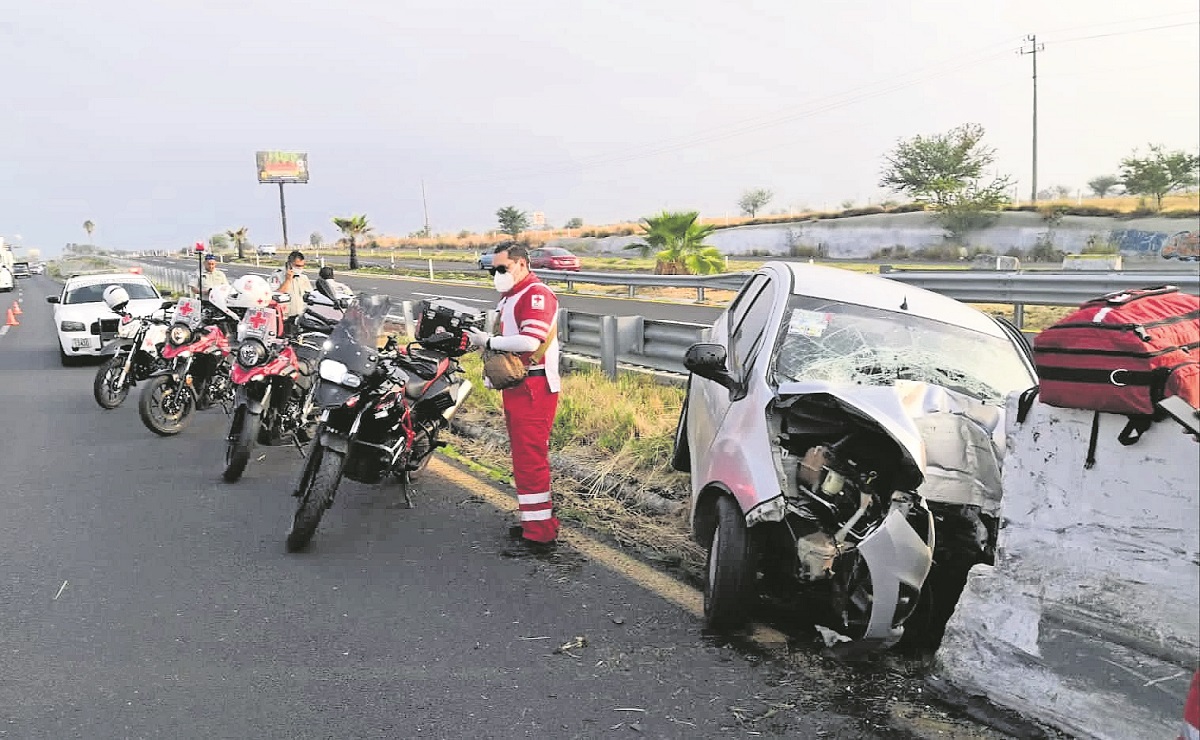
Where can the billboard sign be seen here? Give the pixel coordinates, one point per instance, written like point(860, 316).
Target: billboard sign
point(282, 166)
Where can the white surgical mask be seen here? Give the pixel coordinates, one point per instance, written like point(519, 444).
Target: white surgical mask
point(503, 281)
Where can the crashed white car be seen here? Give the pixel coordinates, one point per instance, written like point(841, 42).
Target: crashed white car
point(82, 320)
point(830, 416)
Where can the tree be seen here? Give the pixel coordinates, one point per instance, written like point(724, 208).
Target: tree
point(680, 241)
point(574, 223)
point(315, 239)
point(1159, 173)
point(352, 228)
point(948, 173)
point(217, 242)
point(89, 227)
point(752, 200)
point(238, 237)
point(1102, 184)
point(512, 221)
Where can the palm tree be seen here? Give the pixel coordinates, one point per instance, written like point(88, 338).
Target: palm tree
point(680, 241)
point(88, 226)
point(239, 239)
point(352, 228)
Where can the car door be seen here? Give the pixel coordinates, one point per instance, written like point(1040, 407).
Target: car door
point(710, 402)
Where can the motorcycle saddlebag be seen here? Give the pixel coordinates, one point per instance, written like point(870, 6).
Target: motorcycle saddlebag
point(1122, 353)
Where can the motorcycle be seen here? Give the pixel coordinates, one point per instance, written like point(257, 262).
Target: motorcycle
point(274, 380)
point(381, 410)
point(198, 351)
point(132, 357)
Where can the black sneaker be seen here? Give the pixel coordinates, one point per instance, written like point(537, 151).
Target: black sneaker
point(528, 548)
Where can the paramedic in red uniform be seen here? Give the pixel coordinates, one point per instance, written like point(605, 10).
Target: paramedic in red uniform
point(528, 311)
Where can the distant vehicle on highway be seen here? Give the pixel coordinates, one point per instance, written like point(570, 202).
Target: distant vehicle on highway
point(485, 260)
point(21, 270)
point(553, 258)
point(37, 269)
point(266, 249)
point(82, 320)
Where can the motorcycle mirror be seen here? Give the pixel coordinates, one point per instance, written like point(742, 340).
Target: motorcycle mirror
point(167, 304)
point(313, 298)
point(325, 288)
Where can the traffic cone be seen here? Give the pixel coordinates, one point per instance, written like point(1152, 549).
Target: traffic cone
point(17, 308)
point(12, 320)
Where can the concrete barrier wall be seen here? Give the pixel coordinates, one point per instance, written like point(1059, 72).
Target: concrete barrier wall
point(1090, 620)
point(1155, 239)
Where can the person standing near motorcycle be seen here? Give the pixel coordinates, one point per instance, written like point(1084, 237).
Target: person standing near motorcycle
point(527, 325)
point(211, 278)
point(292, 280)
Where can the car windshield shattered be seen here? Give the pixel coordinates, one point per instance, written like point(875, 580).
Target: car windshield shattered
point(847, 343)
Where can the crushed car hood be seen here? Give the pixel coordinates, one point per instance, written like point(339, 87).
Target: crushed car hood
point(955, 439)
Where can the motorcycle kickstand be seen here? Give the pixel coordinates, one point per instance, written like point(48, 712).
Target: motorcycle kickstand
point(405, 484)
point(299, 447)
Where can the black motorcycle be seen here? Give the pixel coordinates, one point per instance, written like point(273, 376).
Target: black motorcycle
point(381, 410)
point(132, 357)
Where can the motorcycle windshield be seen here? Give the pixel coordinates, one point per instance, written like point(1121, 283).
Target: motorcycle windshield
point(354, 341)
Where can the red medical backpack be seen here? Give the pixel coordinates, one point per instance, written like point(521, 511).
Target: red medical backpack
point(1122, 353)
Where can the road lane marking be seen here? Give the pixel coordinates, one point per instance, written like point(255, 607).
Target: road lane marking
point(660, 584)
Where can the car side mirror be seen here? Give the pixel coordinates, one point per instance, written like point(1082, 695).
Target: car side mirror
point(51, 299)
point(708, 361)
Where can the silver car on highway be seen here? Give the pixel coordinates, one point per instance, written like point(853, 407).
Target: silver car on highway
point(805, 353)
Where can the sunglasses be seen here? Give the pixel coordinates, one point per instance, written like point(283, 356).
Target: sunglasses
point(498, 270)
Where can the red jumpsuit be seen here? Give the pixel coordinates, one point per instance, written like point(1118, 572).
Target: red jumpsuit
point(531, 308)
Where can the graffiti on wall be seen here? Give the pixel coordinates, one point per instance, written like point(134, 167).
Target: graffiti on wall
point(1182, 245)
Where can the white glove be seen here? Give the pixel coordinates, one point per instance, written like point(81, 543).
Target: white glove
point(478, 337)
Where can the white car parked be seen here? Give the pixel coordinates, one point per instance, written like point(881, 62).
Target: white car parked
point(84, 323)
point(6, 280)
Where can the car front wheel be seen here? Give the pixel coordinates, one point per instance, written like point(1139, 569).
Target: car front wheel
point(728, 583)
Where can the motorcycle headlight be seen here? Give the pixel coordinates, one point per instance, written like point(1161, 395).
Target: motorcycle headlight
point(73, 326)
point(179, 335)
point(336, 372)
point(251, 353)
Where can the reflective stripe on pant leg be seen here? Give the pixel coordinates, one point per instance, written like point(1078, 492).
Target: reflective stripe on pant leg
point(529, 414)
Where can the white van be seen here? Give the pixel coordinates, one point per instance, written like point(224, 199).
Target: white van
point(6, 279)
point(266, 249)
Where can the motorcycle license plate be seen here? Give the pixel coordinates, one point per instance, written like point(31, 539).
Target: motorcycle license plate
point(81, 343)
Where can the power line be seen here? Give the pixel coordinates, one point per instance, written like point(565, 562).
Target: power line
point(1123, 33)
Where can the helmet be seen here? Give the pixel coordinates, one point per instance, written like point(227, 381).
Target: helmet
point(219, 296)
point(250, 291)
point(116, 297)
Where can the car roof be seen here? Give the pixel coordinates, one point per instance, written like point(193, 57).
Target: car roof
point(108, 277)
point(861, 289)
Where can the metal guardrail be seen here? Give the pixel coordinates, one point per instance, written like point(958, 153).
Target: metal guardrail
point(660, 345)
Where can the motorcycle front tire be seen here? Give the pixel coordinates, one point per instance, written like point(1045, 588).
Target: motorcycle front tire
point(104, 386)
point(323, 472)
point(243, 431)
point(151, 411)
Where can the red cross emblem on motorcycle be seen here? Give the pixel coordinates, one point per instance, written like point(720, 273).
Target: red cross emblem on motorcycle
point(185, 309)
point(257, 320)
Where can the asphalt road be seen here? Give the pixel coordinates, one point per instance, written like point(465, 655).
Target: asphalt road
point(143, 598)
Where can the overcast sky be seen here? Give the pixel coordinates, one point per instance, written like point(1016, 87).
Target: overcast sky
point(144, 116)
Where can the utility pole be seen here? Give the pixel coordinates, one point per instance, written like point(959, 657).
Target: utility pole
point(425, 206)
point(1034, 48)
